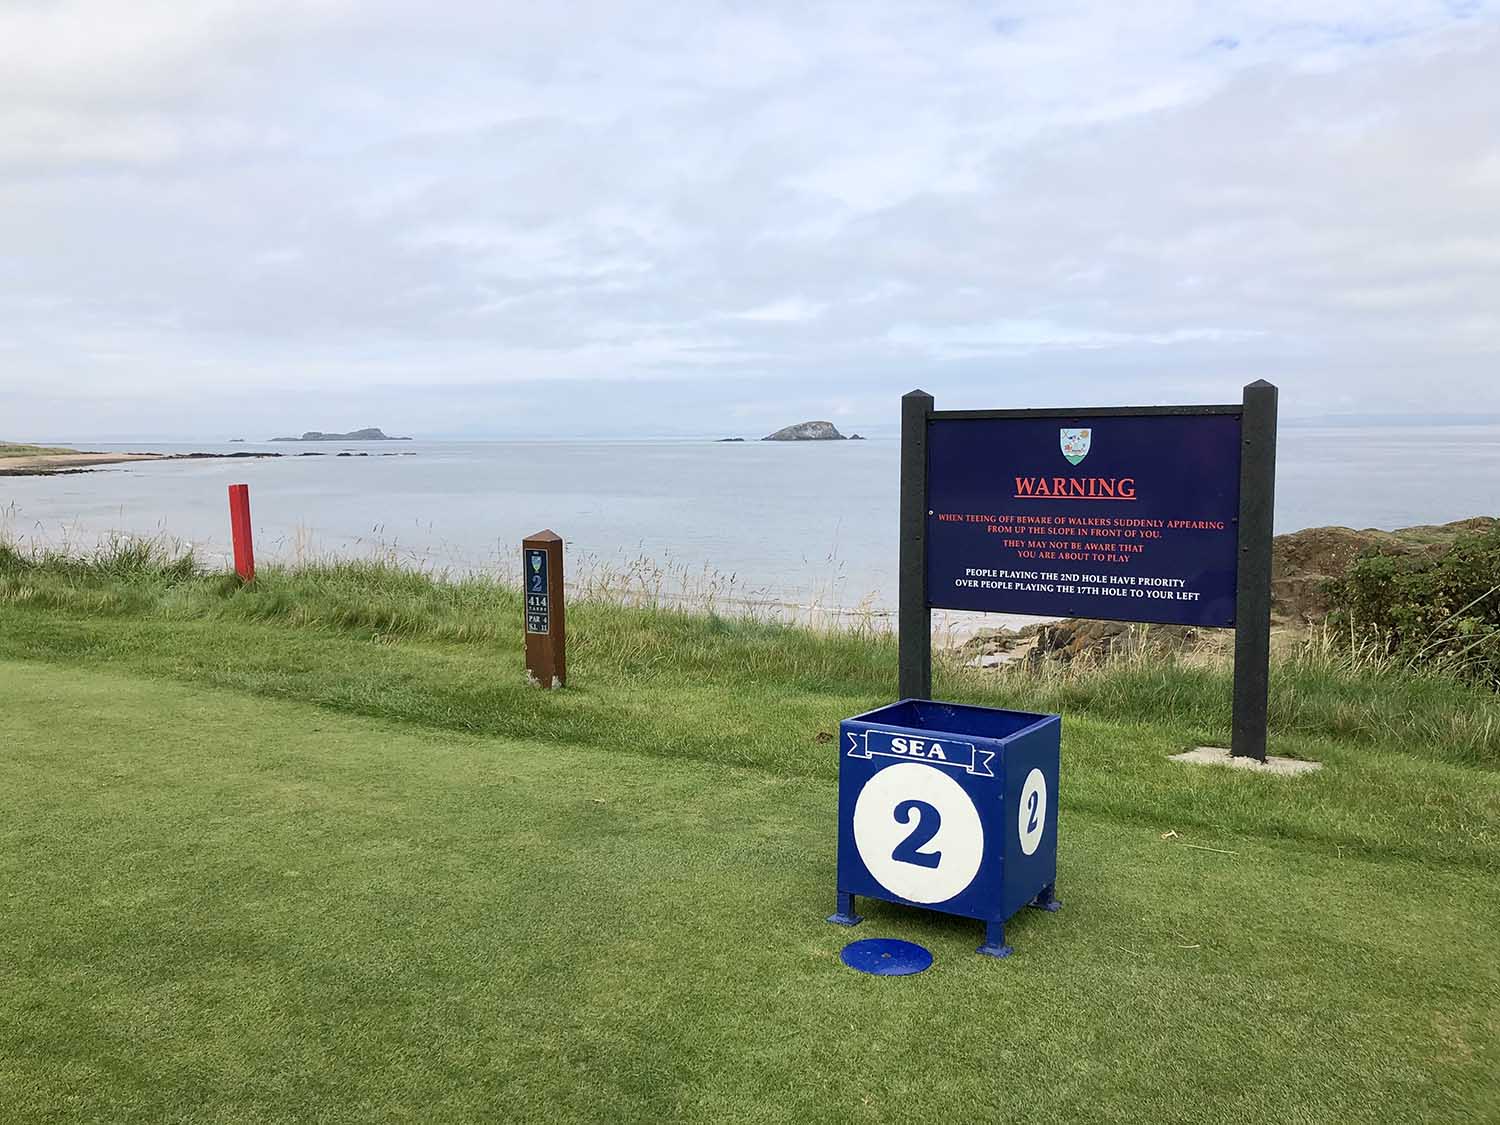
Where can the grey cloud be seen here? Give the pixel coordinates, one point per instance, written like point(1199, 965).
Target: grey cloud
point(786, 209)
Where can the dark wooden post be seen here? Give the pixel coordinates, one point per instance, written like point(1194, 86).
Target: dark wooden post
point(1252, 612)
point(239, 531)
point(546, 641)
point(914, 618)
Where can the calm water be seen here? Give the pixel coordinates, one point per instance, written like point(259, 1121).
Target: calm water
point(800, 524)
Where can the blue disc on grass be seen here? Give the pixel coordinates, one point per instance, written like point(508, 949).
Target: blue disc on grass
point(886, 957)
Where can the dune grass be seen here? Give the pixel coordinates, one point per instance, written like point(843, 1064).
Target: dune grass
point(312, 849)
point(18, 449)
point(1325, 687)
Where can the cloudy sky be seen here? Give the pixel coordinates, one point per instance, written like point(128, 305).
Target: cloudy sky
point(227, 217)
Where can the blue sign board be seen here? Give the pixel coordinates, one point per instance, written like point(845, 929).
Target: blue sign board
point(1129, 517)
point(949, 807)
point(538, 596)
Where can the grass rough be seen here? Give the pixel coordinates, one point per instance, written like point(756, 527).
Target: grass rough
point(312, 849)
point(19, 449)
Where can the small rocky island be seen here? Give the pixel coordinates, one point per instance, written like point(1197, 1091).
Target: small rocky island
point(373, 433)
point(807, 431)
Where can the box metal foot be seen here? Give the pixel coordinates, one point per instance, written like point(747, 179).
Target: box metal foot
point(1047, 899)
point(994, 941)
point(844, 915)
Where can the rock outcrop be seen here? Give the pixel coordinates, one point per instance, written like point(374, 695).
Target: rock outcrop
point(1080, 639)
point(1304, 565)
point(807, 431)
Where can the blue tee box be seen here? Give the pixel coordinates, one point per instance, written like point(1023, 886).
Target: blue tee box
point(949, 807)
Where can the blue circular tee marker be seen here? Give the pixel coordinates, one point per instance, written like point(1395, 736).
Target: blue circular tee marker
point(886, 957)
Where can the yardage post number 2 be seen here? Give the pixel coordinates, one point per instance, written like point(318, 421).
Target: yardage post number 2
point(538, 607)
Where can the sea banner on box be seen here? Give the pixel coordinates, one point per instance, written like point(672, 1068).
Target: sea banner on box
point(1121, 517)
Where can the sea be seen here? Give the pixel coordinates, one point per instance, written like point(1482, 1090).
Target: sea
point(798, 529)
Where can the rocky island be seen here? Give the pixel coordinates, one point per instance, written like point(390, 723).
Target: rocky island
point(807, 431)
point(373, 433)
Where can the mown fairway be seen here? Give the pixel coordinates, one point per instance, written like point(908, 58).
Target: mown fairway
point(314, 852)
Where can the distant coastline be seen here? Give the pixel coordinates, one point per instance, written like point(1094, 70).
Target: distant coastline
point(52, 461)
point(1400, 421)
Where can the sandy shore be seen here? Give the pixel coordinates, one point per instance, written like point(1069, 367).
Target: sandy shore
point(51, 464)
point(42, 464)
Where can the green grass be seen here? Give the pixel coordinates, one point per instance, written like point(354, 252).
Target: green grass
point(16, 449)
point(312, 850)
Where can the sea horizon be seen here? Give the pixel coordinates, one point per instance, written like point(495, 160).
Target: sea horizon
point(782, 524)
point(870, 431)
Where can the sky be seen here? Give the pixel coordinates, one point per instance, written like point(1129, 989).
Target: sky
point(233, 218)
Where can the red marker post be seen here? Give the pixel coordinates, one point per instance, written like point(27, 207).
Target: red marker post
point(239, 528)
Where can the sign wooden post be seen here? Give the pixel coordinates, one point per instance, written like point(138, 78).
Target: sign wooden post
point(1131, 513)
point(239, 531)
point(914, 617)
point(546, 641)
point(1252, 614)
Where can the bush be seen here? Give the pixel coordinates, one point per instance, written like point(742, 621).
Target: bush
point(1436, 611)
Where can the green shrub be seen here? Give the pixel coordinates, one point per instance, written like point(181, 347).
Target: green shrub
point(1440, 611)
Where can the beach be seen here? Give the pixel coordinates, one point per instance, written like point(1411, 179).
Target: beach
point(48, 464)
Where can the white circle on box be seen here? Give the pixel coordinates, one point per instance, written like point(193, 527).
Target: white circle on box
point(921, 812)
point(1031, 819)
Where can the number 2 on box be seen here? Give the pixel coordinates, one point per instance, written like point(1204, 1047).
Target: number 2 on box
point(928, 822)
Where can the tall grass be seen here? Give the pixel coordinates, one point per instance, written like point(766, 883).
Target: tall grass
point(18, 449)
point(1327, 683)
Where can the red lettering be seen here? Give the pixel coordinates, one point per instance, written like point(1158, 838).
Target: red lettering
point(1075, 488)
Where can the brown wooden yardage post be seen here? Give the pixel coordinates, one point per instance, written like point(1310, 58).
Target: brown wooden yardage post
point(542, 581)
